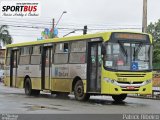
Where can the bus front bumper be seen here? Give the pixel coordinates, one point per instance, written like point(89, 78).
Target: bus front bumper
point(113, 87)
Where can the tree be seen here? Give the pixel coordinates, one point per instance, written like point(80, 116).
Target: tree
point(154, 30)
point(5, 37)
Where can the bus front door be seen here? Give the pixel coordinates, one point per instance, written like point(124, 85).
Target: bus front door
point(94, 67)
point(46, 67)
point(14, 66)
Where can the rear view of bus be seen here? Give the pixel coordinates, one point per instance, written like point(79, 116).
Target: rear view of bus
point(127, 65)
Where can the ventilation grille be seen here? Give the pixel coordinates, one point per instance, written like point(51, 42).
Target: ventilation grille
point(139, 82)
point(130, 75)
point(130, 90)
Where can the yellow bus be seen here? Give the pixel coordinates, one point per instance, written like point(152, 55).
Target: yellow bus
point(113, 63)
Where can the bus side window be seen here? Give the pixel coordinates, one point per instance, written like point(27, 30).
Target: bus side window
point(61, 53)
point(65, 48)
point(25, 55)
point(61, 48)
point(36, 55)
point(77, 52)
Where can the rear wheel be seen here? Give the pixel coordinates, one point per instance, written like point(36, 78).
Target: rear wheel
point(28, 87)
point(79, 92)
point(119, 98)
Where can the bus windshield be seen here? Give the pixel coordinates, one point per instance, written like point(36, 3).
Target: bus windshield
point(134, 56)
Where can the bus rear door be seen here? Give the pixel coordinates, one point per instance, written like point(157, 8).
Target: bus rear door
point(13, 68)
point(46, 67)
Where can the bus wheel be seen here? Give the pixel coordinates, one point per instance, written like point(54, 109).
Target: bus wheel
point(119, 98)
point(79, 92)
point(28, 87)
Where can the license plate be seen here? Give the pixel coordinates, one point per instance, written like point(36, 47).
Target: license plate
point(130, 87)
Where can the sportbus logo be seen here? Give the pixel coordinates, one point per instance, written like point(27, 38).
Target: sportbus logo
point(20, 9)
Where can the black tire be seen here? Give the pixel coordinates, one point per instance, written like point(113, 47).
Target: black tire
point(28, 87)
point(119, 98)
point(79, 92)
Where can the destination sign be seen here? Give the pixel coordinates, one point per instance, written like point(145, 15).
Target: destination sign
point(133, 36)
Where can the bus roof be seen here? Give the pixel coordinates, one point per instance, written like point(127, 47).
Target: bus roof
point(104, 35)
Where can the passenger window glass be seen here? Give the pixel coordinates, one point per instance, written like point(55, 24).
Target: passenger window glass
point(62, 48)
point(25, 50)
point(78, 54)
point(78, 46)
point(25, 56)
point(61, 53)
point(36, 50)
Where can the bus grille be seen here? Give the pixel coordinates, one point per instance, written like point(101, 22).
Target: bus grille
point(139, 82)
point(130, 75)
point(130, 90)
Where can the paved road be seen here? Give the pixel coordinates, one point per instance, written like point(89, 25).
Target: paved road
point(13, 100)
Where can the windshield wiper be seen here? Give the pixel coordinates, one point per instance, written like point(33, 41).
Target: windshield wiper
point(123, 49)
point(135, 54)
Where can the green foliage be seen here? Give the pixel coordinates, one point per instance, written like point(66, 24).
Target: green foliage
point(156, 53)
point(5, 37)
point(154, 30)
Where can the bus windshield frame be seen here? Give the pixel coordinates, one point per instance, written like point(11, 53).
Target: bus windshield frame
point(128, 55)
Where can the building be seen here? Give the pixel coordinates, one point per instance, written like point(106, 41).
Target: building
point(2, 57)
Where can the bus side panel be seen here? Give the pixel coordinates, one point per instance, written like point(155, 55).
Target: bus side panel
point(7, 81)
point(105, 87)
point(63, 75)
point(32, 71)
point(79, 70)
point(61, 84)
point(35, 76)
point(20, 82)
point(36, 83)
point(85, 85)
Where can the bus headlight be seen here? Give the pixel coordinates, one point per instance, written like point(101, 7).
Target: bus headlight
point(110, 80)
point(147, 82)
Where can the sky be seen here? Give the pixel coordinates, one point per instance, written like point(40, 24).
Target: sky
point(98, 15)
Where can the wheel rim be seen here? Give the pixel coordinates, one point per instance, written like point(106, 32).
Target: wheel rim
point(79, 91)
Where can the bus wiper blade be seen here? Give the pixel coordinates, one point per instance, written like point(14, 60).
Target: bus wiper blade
point(138, 49)
point(123, 50)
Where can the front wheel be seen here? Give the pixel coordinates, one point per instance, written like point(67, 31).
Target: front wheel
point(79, 92)
point(119, 98)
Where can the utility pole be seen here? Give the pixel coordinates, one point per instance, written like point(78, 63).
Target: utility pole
point(60, 18)
point(144, 22)
point(53, 28)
